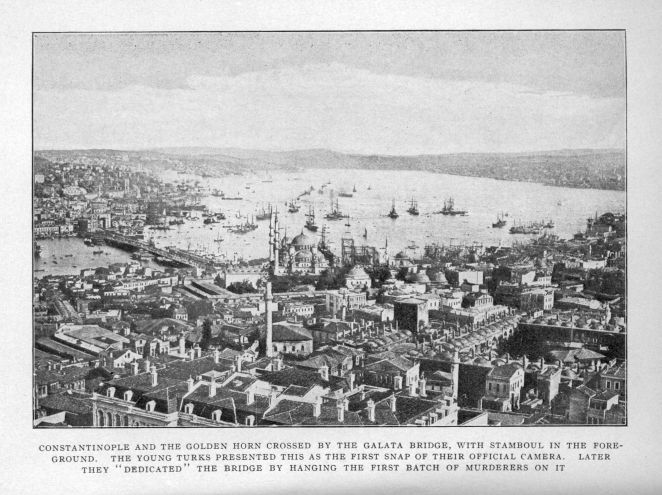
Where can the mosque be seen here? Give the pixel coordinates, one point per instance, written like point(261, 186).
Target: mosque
point(300, 255)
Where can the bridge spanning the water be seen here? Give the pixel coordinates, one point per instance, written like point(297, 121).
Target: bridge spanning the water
point(177, 255)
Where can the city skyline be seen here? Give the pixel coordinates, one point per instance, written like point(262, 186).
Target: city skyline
point(396, 93)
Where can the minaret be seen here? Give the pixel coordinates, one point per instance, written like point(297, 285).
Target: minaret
point(267, 304)
point(456, 373)
point(271, 237)
point(276, 245)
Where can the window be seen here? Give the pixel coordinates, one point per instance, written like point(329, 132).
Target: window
point(216, 415)
point(127, 395)
point(617, 385)
point(150, 406)
point(608, 384)
point(188, 408)
point(110, 392)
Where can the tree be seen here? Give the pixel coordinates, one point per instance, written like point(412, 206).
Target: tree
point(243, 287)
point(206, 334)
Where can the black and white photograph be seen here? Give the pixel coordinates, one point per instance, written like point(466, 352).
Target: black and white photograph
point(329, 229)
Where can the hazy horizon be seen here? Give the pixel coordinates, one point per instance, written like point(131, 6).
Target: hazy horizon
point(379, 93)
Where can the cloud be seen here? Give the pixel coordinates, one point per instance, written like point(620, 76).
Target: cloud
point(331, 106)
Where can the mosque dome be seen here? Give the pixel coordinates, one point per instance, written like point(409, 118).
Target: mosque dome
point(303, 240)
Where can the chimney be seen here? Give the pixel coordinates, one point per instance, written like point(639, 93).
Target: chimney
point(324, 372)
point(542, 363)
point(182, 345)
point(190, 383)
point(421, 387)
point(317, 408)
point(525, 362)
point(352, 379)
point(217, 356)
point(198, 351)
point(341, 411)
point(191, 354)
point(237, 364)
point(411, 388)
point(392, 402)
point(147, 364)
point(272, 397)
point(371, 410)
point(278, 364)
point(155, 376)
point(212, 387)
point(134, 368)
point(268, 298)
point(343, 312)
point(250, 396)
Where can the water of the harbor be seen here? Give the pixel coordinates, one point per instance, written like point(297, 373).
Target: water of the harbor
point(484, 199)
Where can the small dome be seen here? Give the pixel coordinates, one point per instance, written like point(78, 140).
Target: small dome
point(357, 273)
point(421, 278)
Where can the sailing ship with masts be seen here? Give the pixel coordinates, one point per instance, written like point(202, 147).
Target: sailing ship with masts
point(500, 221)
point(335, 213)
point(393, 213)
point(263, 214)
point(413, 207)
point(310, 220)
point(449, 208)
point(293, 207)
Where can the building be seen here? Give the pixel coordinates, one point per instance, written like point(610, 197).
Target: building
point(411, 314)
point(503, 386)
point(358, 279)
point(291, 339)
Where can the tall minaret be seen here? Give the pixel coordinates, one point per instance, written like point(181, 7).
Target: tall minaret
point(271, 237)
point(276, 244)
point(267, 305)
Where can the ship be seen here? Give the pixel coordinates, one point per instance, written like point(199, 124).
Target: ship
point(354, 190)
point(37, 250)
point(529, 229)
point(335, 213)
point(178, 221)
point(413, 208)
point(264, 214)
point(293, 207)
point(549, 224)
point(449, 208)
point(310, 221)
point(500, 222)
point(87, 241)
point(209, 220)
point(345, 194)
point(393, 214)
point(97, 251)
point(218, 194)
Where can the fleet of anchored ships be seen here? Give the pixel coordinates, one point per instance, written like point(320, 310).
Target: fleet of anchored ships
point(248, 224)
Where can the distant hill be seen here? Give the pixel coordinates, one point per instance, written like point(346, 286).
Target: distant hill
point(587, 168)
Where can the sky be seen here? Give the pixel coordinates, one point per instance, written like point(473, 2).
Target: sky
point(397, 93)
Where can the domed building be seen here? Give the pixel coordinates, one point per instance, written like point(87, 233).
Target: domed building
point(357, 278)
point(301, 255)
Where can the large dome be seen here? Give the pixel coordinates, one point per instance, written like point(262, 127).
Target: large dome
point(303, 240)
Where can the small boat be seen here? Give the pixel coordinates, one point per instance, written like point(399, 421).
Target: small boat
point(365, 233)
